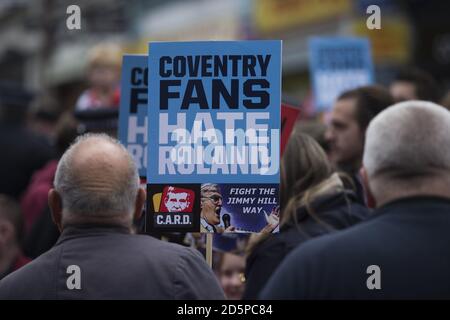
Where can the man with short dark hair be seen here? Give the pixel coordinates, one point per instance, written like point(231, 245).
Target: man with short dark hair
point(24, 151)
point(402, 251)
point(351, 114)
point(414, 84)
point(96, 198)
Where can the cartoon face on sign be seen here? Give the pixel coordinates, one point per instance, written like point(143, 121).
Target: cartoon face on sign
point(177, 200)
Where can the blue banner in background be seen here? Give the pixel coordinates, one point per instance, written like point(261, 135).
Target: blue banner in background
point(133, 109)
point(338, 65)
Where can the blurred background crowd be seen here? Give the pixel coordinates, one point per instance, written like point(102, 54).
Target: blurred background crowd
point(56, 84)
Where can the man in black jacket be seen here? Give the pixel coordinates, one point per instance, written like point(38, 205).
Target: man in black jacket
point(402, 251)
point(23, 152)
point(95, 200)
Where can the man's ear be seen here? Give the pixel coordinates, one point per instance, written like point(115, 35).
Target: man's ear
point(139, 204)
point(371, 203)
point(55, 204)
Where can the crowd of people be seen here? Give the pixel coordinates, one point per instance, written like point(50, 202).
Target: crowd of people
point(370, 188)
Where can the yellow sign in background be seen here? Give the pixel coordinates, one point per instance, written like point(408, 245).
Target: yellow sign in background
point(275, 15)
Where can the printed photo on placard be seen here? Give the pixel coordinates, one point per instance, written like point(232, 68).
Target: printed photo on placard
point(173, 207)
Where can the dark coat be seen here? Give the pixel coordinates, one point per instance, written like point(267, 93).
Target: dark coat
point(23, 152)
point(338, 211)
point(42, 236)
point(408, 239)
point(113, 265)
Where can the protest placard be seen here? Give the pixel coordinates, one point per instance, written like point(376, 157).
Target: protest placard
point(336, 65)
point(214, 135)
point(133, 109)
point(289, 115)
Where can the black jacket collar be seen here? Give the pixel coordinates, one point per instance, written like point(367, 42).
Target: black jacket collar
point(414, 203)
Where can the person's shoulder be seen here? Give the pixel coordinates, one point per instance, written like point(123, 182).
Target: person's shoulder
point(30, 141)
point(33, 280)
point(273, 247)
point(358, 211)
point(345, 215)
point(191, 277)
point(168, 253)
point(148, 240)
point(262, 250)
point(343, 204)
point(165, 249)
point(317, 266)
point(138, 247)
point(336, 245)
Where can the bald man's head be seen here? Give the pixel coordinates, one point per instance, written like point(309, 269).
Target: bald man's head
point(407, 151)
point(97, 181)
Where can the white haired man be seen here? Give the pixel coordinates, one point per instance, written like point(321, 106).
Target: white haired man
point(94, 202)
point(211, 206)
point(402, 251)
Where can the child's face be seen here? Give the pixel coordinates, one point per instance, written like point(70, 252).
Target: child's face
point(231, 275)
point(103, 76)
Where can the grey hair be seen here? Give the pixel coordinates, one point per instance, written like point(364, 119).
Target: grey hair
point(408, 139)
point(209, 187)
point(81, 202)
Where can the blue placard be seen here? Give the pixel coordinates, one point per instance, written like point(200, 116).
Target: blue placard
point(133, 109)
point(215, 110)
point(188, 86)
point(230, 242)
point(337, 65)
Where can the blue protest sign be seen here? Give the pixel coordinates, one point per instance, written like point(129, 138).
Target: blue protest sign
point(215, 110)
point(337, 65)
point(133, 109)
